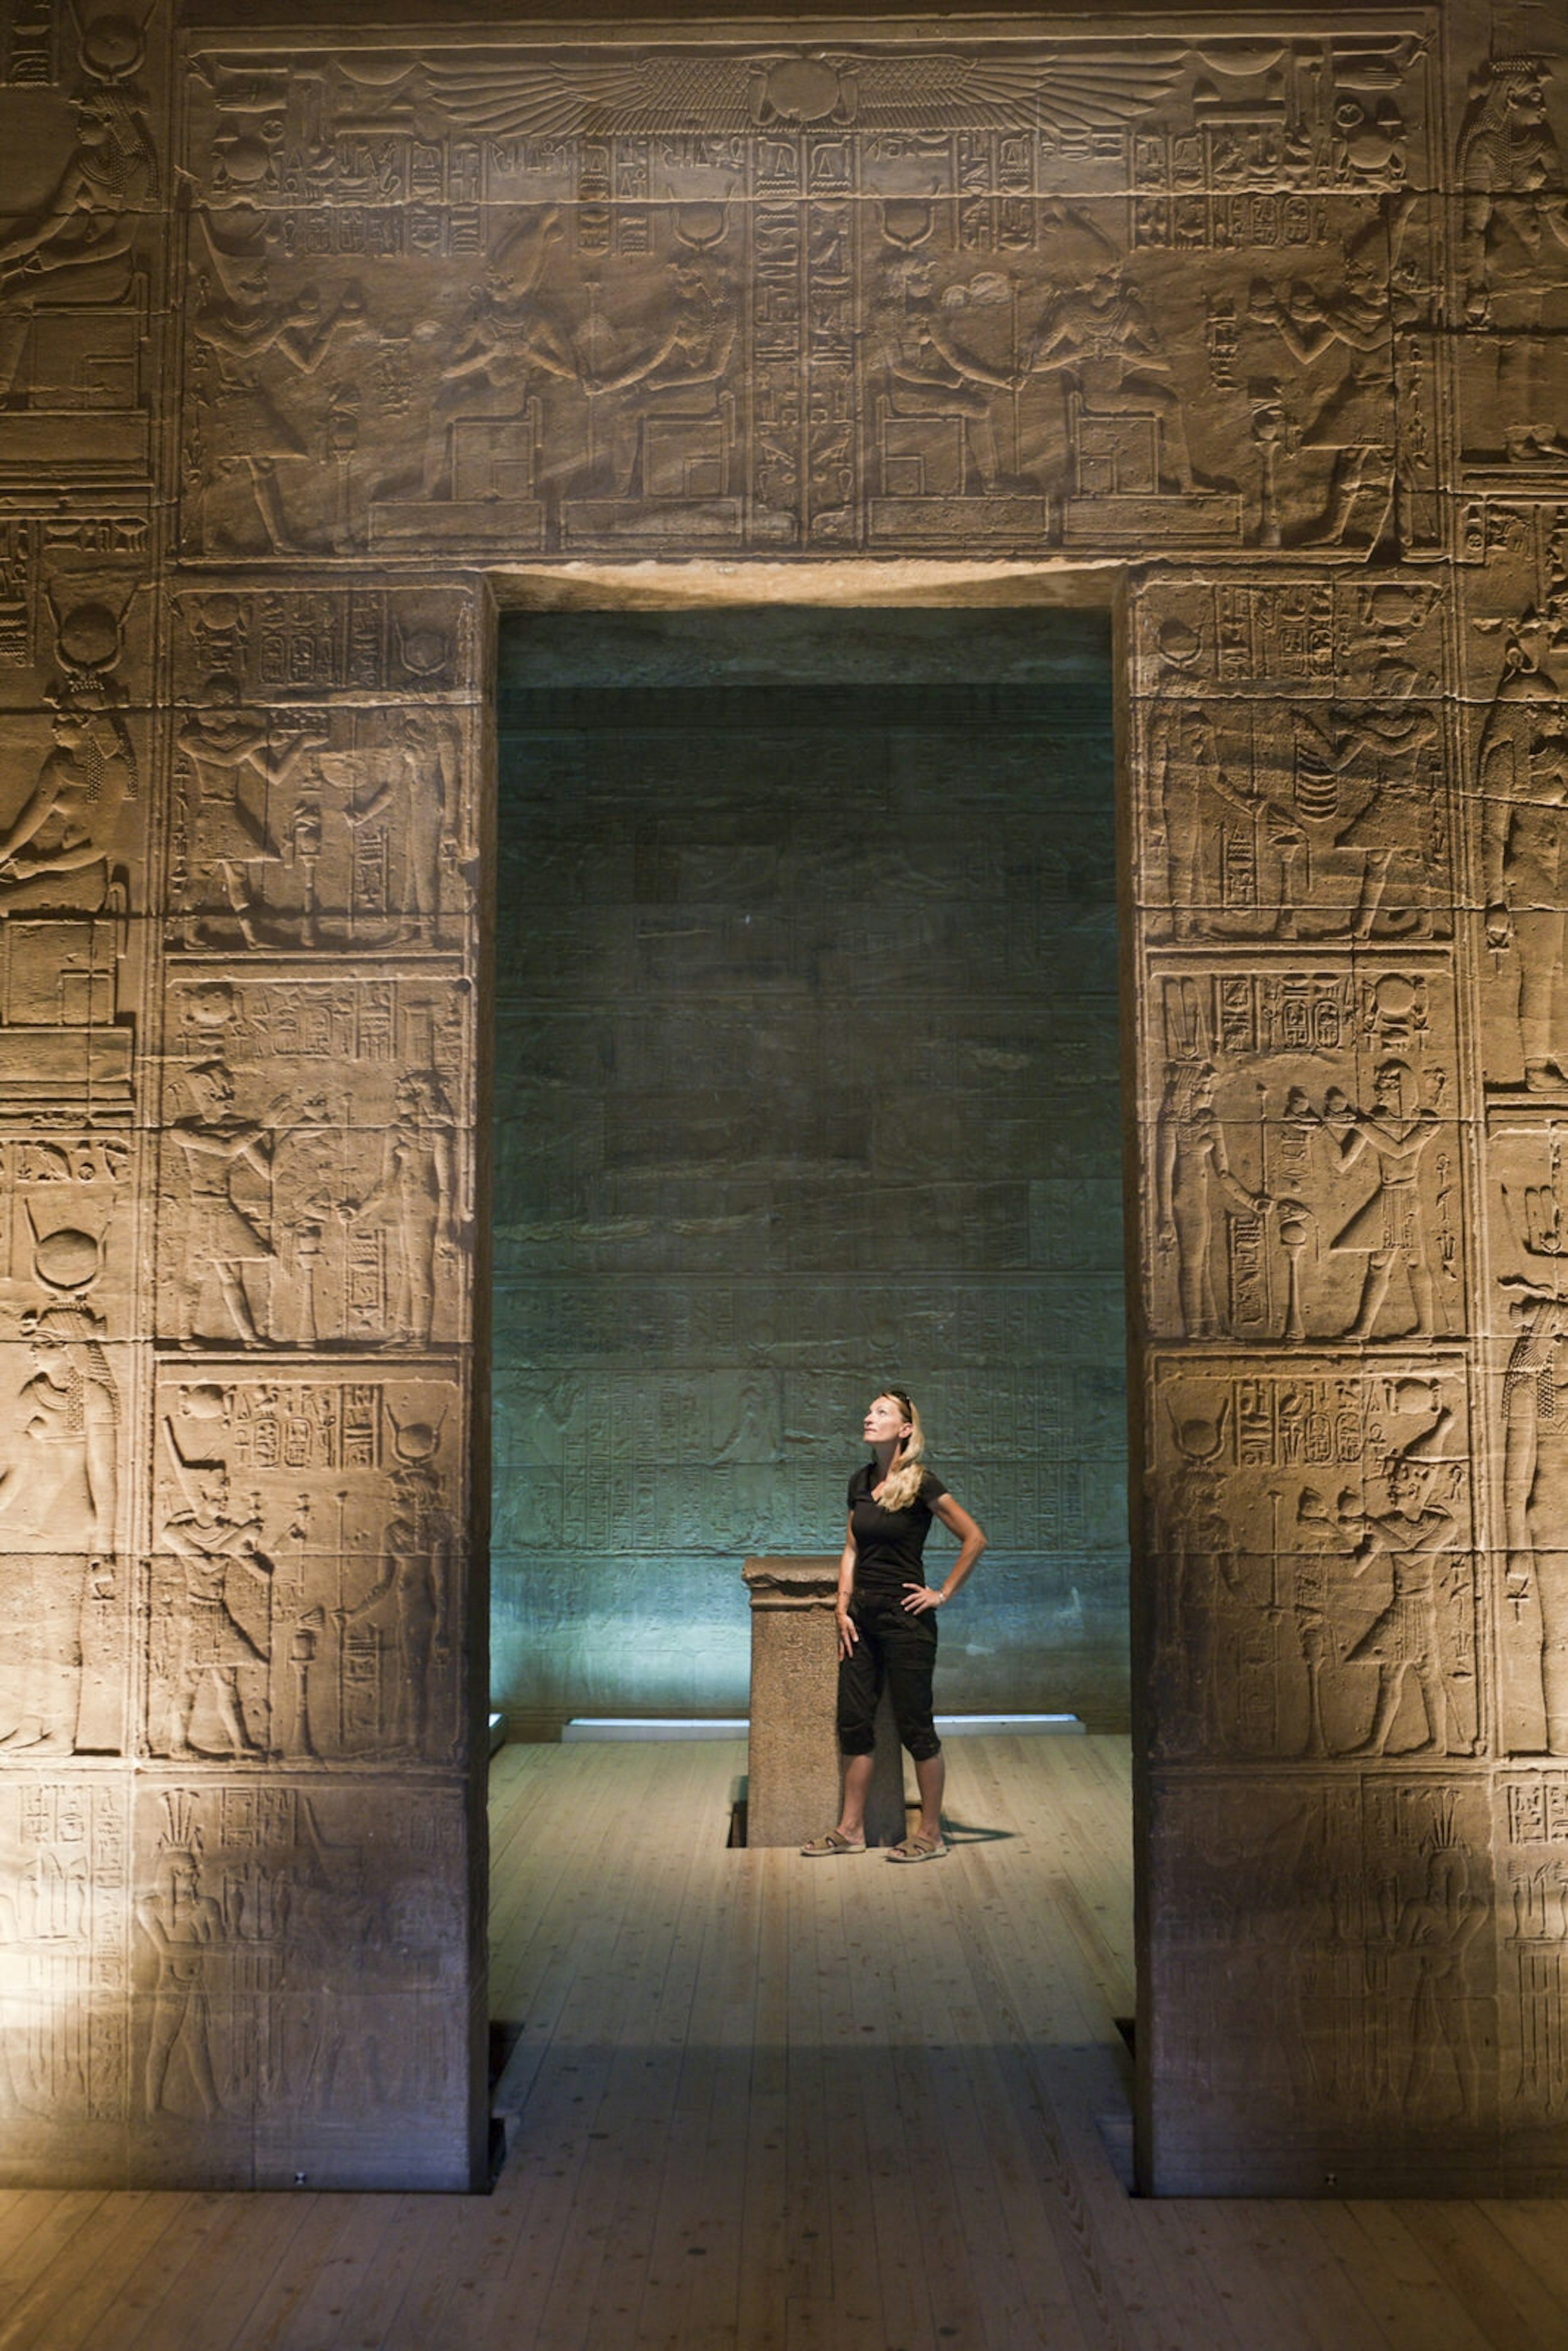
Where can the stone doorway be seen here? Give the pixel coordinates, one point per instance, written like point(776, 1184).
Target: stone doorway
point(806, 1072)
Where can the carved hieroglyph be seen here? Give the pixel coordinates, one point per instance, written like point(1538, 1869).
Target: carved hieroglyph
point(1271, 317)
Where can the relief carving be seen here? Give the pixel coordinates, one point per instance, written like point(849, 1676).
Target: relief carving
point(259, 432)
point(75, 305)
point(1317, 821)
point(311, 645)
point(59, 1504)
point(304, 1585)
point(310, 829)
point(1513, 249)
point(1360, 1911)
point(299, 1210)
point(1295, 759)
point(1125, 425)
point(1533, 1392)
point(63, 1888)
point(1352, 321)
point(67, 846)
point(1532, 1827)
point(1320, 1594)
point(1521, 774)
point(269, 1936)
point(1284, 1204)
point(997, 347)
point(213, 1639)
point(425, 305)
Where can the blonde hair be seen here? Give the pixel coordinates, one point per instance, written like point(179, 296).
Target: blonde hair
point(908, 1468)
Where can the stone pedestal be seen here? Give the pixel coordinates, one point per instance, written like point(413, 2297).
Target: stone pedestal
point(793, 1773)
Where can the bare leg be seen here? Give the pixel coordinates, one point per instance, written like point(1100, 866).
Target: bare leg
point(931, 1776)
point(857, 1786)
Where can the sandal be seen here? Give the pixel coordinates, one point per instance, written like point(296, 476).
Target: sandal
point(918, 1848)
point(831, 1843)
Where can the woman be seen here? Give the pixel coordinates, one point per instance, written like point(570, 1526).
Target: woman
point(888, 1621)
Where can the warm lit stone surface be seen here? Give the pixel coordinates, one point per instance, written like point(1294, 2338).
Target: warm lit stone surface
point(791, 1757)
point(315, 330)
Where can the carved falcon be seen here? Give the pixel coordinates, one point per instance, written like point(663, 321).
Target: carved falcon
point(1068, 87)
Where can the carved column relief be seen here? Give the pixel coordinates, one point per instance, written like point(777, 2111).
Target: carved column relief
point(1269, 317)
point(83, 115)
point(304, 1959)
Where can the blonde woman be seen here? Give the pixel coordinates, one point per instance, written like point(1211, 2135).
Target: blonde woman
point(887, 1620)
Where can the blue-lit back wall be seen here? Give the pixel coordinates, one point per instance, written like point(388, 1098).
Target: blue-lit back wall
point(806, 1080)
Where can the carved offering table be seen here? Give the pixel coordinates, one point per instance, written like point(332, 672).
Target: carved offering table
point(793, 1787)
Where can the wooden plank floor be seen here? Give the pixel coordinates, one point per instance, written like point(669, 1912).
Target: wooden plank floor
point(773, 2104)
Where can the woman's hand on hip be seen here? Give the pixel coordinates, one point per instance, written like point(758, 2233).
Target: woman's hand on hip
point(848, 1636)
point(918, 1597)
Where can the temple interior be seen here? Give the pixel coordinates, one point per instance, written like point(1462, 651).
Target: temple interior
point(698, 713)
point(807, 1072)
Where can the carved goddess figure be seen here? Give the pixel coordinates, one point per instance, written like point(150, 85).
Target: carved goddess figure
point(929, 371)
point(1523, 774)
point(418, 799)
point(1192, 1176)
point(416, 1195)
point(64, 1494)
point(405, 1605)
point(66, 823)
point(95, 207)
point(1535, 1489)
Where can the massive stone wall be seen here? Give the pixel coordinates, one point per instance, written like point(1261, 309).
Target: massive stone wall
point(309, 332)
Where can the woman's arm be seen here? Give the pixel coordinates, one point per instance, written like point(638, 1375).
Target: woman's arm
point(848, 1636)
point(918, 1597)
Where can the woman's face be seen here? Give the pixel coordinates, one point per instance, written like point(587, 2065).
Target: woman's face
point(885, 1423)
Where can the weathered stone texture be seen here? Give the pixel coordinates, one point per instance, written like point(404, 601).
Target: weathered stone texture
point(311, 331)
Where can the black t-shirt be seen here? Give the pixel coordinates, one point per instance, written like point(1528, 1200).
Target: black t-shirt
point(889, 1544)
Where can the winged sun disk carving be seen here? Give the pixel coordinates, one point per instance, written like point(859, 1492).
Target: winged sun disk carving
point(1060, 90)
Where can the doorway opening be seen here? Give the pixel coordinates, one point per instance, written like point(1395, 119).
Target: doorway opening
point(807, 1079)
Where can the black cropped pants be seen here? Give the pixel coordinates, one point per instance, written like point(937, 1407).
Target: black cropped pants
point(897, 1648)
